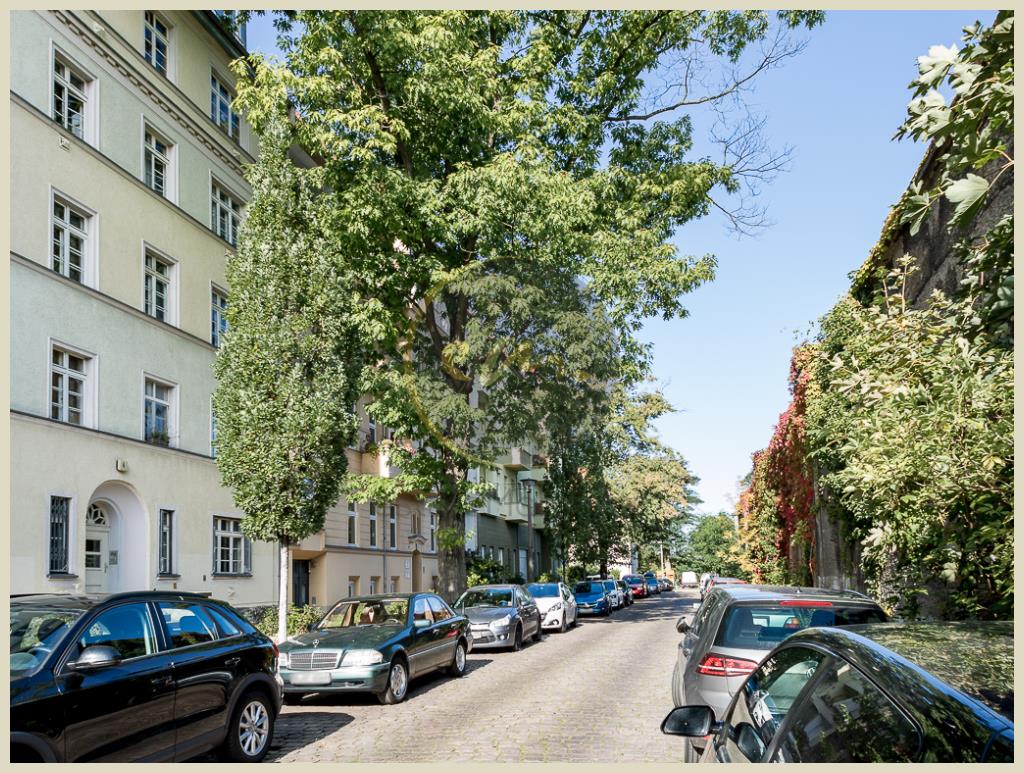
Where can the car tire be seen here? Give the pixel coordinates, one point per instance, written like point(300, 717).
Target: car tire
point(677, 686)
point(517, 639)
point(293, 698)
point(458, 664)
point(576, 618)
point(537, 634)
point(607, 611)
point(398, 684)
point(565, 623)
point(250, 730)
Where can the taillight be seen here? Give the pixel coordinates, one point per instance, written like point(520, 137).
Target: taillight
point(719, 665)
point(805, 603)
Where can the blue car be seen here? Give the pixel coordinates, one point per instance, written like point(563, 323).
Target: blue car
point(652, 583)
point(592, 598)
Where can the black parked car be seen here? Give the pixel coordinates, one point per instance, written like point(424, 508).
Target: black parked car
point(144, 676)
point(886, 692)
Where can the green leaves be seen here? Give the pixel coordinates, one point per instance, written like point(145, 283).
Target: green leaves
point(967, 193)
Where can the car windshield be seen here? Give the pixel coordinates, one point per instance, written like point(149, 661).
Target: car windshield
point(762, 627)
point(486, 597)
point(589, 587)
point(353, 613)
point(609, 584)
point(35, 632)
point(543, 589)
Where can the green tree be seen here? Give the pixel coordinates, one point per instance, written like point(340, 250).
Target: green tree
point(287, 363)
point(500, 182)
point(713, 546)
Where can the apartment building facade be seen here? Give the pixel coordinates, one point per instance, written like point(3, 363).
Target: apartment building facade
point(128, 190)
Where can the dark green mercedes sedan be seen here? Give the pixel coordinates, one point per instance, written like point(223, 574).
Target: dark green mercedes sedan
point(375, 644)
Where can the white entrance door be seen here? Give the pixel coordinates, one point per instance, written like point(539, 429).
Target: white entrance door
point(97, 547)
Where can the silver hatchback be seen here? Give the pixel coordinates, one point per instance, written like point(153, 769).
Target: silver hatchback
point(737, 625)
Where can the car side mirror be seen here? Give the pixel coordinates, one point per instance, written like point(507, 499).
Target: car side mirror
point(690, 721)
point(684, 623)
point(94, 658)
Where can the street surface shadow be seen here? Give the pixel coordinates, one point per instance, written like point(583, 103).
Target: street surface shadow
point(296, 730)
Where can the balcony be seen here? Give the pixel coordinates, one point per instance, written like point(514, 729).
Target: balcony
point(517, 458)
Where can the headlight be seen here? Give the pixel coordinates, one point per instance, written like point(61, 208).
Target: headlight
point(362, 658)
point(282, 660)
point(556, 606)
point(502, 622)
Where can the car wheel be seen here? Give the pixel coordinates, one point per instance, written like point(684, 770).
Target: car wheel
point(458, 665)
point(293, 698)
point(251, 729)
point(398, 684)
point(517, 639)
point(677, 686)
point(607, 611)
point(565, 623)
point(576, 618)
point(539, 631)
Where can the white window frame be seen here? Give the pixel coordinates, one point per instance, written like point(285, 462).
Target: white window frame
point(353, 587)
point(172, 408)
point(373, 525)
point(171, 299)
point(392, 527)
point(213, 431)
point(352, 524)
point(218, 85)
point(218, 314)
point(89, 391)
point(245, 547)
point(371, 430)
point(169, 158)
point(150, 26)
point(89, 94)
point(373, 586)
point(88, 236)
point(171, 569)
point(217, 204)
point(393, 584)
point(433, 532)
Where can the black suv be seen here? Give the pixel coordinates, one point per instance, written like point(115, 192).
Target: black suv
point(886, 692)
point(144, 676)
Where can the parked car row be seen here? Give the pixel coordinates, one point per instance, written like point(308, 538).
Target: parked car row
point(783, 674)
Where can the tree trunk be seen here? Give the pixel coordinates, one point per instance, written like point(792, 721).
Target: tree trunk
point(451, 556)
point(282, 598)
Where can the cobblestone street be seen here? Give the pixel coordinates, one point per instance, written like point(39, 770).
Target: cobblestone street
point(597, 693)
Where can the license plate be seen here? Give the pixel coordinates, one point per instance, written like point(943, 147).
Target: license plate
point(313, 677)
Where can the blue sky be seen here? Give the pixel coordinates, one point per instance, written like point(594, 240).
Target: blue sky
point(838, 104)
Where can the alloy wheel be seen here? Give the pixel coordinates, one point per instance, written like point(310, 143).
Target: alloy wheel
point(253, 728)
point(399, 681)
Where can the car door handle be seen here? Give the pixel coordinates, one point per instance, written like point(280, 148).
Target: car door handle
point(161, 681)
point(231, 662)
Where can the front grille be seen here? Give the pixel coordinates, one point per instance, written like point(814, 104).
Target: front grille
point(313, 661)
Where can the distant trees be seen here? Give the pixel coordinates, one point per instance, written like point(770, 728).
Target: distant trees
point(711, 546)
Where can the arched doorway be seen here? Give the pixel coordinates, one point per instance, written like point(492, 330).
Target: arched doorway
point(116, 540)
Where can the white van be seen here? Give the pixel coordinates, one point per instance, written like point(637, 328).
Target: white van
point(688, 579)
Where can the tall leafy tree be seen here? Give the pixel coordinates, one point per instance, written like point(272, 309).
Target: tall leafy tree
point(288, 364)
point(493, 179)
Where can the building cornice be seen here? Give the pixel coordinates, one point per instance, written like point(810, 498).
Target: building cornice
point(110, 300)
point(231, 154)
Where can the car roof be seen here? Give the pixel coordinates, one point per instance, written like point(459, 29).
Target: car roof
point(751, 592)
point(500, 585)
point(89, 600)
point(383, 596)
point(973, 658)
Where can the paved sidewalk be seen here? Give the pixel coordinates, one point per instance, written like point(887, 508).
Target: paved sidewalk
point(594, 694)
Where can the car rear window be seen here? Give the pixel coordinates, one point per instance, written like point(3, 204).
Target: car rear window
point(762, 627)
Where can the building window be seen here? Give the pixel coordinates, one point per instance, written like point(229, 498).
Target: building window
point(70, 96)
point(352, 538)
point(213, 433)
point(157, 411)
point(60, 520)
point(218, 315)
point(224, 214)
point(501, 556)
point(373, 525)
point(68, 374)
point(433, 532)
point(158, 286)
point(392, 527)
point(156, 163)
point(68, 252)
point(166, 534)
point(155, 37)
point(374, 582)
point(393, 585)
point(232, 551)
point(371, 432)
point(220, 108)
